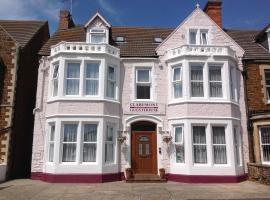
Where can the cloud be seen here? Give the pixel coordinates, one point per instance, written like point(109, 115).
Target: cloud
point(107, 7)
point(29, 9)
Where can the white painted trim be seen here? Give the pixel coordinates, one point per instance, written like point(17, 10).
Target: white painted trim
point(80, 115)
point(204, 118)
point(101, 17)
point(151, 118)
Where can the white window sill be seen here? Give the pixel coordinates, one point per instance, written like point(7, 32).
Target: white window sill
point(221, 165)
point(89, 99)
point(203, 100)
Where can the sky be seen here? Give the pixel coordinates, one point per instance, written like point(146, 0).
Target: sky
point(247, 14)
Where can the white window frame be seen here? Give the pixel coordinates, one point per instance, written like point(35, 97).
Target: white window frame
point(262, 159)
point(174, 82)
point(102, 32)
point(149, 83)
point(62, 141)
point(213, 145)
point(267, 86)
point(199, 32)
point(83, 142)
point(189, 38)
point(181, 143)
point(206, 37)
point(237, 146)
point(109, 125)
point(200, 144)
point(51, 142)
point(194, 65)
point(111, 81)
point(55, 79)
point(66, 79)
point(96, 79)
point(221, 81)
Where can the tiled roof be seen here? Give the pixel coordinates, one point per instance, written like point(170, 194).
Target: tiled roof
point(22, 31)
point(245, 38)
point(139, 41)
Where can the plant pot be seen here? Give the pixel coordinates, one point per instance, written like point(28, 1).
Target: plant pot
point(162, 173)
point(129, 173)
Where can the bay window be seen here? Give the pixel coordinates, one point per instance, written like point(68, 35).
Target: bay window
point(196, 81)
point(215, 81)
point(179, 144)
point(237, 146)
point(219, 145)
point(265, 144)
point(55, 80)
point(69, 142)
point(109, 144)
point(111, 82)
point(232, 83)
point(177, 82)
point(92, 79)
point(143, 83)
point(51, 142)
point(89, 142)
point(199, 144)
point(73, 79)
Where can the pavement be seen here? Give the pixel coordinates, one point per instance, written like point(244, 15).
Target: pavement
point(25, 189)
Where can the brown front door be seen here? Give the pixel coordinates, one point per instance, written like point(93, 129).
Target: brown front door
point(144, 152)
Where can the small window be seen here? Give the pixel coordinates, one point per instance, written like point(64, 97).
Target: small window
point(237, 146)
point(267, 83)
point(120, 39)
point(51, 142)
point(111, 82)
point(69, 142)
point(192, 37)
point(219, 145)
point(89, 143)
point(204, 38)
point(158, 39)
point(109, 144)
point(92, 79)
point(199, 145)
point(215, 81)
point(55, 77)
point(179, 144)
point(143, 83)
point(196, 81)
point(177, 82)
point(265, 144)
point(97, 36)
point(73, 79)
point(232, 83)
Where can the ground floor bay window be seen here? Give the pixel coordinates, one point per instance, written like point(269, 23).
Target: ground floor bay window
point(265, 144)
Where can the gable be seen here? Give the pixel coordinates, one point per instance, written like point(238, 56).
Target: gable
point(198, 20)
point(97, 21)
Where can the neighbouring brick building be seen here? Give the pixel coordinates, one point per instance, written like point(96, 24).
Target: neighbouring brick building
point(256, 63)
point(19, 43)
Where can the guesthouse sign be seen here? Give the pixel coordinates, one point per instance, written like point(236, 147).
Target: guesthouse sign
point(142, 107)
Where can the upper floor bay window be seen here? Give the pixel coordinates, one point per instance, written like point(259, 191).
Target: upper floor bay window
point(265, 144)
point(143, 83)
point(73, 79)
point(92, 79)
point(179, 144)
point(267, 83)
point(219, 145)
point(97, 36)
point(215, 81)
point(109, 144)
point(111, 82)
point(198, 37)
point(196, 81)
point(51, 142)
point(177, 82)
point(55, 77)
point(199, 144)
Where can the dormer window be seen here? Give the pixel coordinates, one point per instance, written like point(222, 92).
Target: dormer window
point(97, 36)
point(119, 39)
point(198, 37)
point(158, 39)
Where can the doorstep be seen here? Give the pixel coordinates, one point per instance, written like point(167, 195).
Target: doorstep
point(146, 178)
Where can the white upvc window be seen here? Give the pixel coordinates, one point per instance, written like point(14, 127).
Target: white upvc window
point(51, 142)
point(55, 79)
point(237, 146)
point(267, 83)
point(179, 144)
point(73, 79)
point(97, 36)
point(69, 144)
point(219, 145)
point(196, 81)
point(109, 144)
point(232, 83)
point(143, 83)
point(215, 81)
point(92, 79)
point(89, 142)
point(265, 144)
point(193, 37)
point(111, 82)
point(198, 37)
point(203, 37)
point(199, 145)
point(177, 82)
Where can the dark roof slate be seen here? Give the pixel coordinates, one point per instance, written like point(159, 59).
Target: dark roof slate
point(22, 31)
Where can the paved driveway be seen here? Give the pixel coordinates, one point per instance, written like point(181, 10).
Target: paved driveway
point(29, 189)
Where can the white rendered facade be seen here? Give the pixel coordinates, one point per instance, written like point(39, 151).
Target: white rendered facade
point(169, 82)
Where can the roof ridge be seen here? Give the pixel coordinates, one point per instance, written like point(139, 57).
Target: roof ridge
point(142, 27)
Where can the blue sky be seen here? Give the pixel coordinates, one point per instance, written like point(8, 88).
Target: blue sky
point(252, 14)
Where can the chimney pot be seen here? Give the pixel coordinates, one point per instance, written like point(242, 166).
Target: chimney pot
point(213, 9)
point(65, 20)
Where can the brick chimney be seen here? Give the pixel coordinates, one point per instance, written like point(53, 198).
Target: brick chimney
point(213, 9)
point(65, 21)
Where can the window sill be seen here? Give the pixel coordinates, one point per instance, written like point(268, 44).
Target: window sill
point(203, 100)
point(89, 99)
